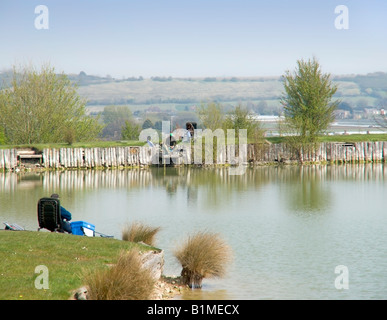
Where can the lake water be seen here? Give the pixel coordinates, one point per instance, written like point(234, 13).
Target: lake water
point(289, 226)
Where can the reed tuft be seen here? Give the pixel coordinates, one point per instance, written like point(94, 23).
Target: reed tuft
point(126, 280)
point(203, 255)
point(138, 232)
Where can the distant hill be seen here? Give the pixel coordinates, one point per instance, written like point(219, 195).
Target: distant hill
point(375, 81)
point(180, 91)
point(356, 90)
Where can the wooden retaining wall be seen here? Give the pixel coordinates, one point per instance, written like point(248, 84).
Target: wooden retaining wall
point(96, 157)
point(137, 156)
point(8, 159)
point(325, 152)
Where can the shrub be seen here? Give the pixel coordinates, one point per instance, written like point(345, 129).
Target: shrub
point(69, 136)
point(127, 280)
point(39, 105)
point(2, 136)
point(203, 255)
point(138, 232)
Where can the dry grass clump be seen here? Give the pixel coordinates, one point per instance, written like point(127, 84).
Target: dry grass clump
point(203, 255)
point(138, 232)
point(127, 280)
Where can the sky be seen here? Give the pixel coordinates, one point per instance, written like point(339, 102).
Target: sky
point(194, 38)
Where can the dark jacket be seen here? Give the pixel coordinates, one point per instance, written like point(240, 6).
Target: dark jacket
point(65, 214)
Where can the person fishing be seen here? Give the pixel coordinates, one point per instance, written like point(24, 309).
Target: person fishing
point(65, 216)
point(171, 142)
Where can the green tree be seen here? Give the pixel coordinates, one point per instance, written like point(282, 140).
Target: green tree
point(158, 125)
point(147, 124)
point(347, 107)
point(114, 118)
point(240, 118)
point(131, 130)
point(307, 101)
point(42, 106)
point(211, 115)
point(114, 113)
point(262, 108)
point(2, 136)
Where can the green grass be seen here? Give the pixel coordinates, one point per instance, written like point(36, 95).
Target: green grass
point(354, 138)
point(94, 144)
point(109, 144)
point(67, 257)
point(340, 138)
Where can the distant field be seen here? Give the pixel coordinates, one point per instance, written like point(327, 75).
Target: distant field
point(169, 93)
point(175, 94)
point(178, 91)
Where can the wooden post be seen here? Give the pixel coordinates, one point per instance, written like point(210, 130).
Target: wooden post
point(2, 164)
point(380, 151)
point(6, 158)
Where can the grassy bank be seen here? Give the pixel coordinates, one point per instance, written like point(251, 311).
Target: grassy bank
point(65, 256)
point(94, 144)
point(105, 144)
point(352, 138)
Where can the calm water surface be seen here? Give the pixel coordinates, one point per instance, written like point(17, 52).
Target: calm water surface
point(289, 227)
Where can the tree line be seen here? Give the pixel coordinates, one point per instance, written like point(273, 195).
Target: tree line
point(42, 106)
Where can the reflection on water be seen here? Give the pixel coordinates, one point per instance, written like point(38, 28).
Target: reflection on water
point(172, 178)
point(289, 226)
point(305, 190)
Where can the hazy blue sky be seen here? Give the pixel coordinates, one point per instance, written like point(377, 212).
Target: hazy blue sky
point(194, 37)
